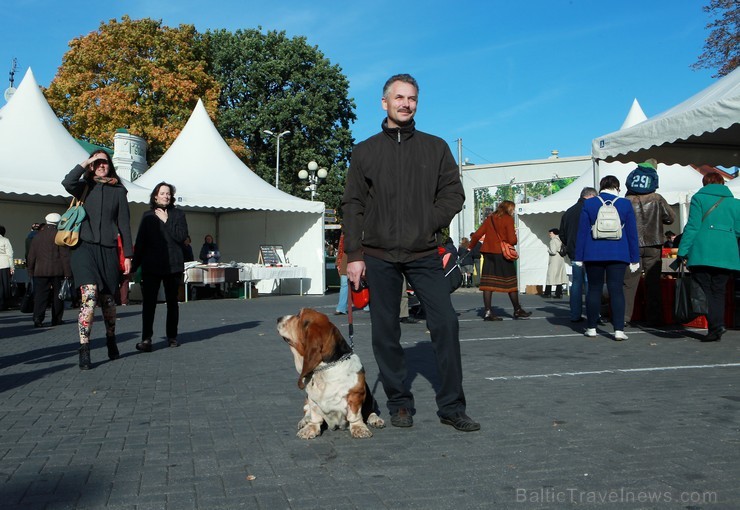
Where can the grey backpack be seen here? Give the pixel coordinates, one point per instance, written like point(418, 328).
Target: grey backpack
point(608, 225)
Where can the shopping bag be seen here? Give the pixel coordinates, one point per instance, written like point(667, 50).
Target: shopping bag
point(691, 302)
point(27, 300)
point(65, 290)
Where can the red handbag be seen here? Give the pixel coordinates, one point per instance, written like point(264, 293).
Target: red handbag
point(507, 250)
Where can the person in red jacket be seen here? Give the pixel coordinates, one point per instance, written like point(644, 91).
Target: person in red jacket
point(499, 274)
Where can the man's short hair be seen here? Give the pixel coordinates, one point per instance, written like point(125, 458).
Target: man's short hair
point(588, 192)
point(406, 78)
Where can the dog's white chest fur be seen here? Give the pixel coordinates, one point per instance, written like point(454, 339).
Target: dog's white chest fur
point(328, 390)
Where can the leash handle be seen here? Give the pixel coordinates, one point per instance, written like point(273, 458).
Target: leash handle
point(349, 315)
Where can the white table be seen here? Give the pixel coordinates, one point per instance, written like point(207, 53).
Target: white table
point(206, 274)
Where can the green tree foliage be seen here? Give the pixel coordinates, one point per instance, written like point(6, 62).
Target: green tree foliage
point(133, 74)
point(271, 82)
point(722, 47)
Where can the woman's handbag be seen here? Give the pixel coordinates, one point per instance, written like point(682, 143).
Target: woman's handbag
point(65, 290)
point(507, 250)
point(68, 229)
point(691, 302)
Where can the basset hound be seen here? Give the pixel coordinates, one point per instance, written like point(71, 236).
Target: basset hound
point(332, 375)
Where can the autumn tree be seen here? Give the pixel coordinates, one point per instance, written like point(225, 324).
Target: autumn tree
point(134, 74)
point(722, 47)
point(271, 82)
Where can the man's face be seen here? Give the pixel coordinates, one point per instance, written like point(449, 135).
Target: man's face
point(400, 103)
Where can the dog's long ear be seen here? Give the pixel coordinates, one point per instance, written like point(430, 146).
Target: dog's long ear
point(313, 346)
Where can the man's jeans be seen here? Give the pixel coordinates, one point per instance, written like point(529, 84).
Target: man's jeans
point(577, 288)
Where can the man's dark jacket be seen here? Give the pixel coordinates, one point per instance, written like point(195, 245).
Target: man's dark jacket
point(158, 247)
point(569, 227)
point(45, 258)
point(403, 187)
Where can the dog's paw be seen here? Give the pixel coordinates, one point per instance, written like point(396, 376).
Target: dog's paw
point(360, 431)
point(304, 421)
point(309, 431)
point(375, 421)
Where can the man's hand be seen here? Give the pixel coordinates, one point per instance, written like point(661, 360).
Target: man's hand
point(126, 266)
point(355, 273)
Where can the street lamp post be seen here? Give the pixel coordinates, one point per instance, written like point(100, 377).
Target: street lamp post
point(313, 176)
point(277, 163)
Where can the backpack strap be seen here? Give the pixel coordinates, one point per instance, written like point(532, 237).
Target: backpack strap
point(712, 209)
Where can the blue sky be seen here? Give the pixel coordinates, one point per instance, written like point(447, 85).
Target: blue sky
point(513, 80)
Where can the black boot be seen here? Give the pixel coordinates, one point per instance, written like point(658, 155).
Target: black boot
point(145, 345)
point(110, 342)
point(85, 357)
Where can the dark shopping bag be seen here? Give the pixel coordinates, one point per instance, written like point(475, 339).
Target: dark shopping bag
point(691, 302)
point(27, 300)
point(65, 290)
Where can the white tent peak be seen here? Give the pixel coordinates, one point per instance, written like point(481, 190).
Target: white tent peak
point(634, 116)
point(36, 150)
point(207, 173)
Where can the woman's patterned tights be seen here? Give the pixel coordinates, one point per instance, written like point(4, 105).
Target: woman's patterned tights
point(89, 298)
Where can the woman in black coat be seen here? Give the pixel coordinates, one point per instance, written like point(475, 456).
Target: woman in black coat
point(94, 260)
point(158, 251)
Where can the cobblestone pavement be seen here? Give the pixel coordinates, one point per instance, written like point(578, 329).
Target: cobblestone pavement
point(567, 421)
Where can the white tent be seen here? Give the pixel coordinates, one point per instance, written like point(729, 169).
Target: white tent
point(224, 198)
point(36, 152)
point(676, 183)
point(734, 186)
point(704, 129)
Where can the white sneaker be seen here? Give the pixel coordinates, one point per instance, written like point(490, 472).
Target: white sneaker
point(619, 336)
point(591, 332)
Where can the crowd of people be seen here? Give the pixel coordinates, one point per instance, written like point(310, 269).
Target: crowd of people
point(403, 187)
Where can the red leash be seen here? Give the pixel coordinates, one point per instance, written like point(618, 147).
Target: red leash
point(349, 316)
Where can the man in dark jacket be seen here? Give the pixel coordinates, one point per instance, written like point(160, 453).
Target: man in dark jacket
point(568, 235)
point(651, 212)
point(48, 264)
point(403, 187)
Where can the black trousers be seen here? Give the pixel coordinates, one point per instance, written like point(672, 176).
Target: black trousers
point(42, 286)
point(5, 279)
point(426, 277)
point(150, 283)
point(713, 281)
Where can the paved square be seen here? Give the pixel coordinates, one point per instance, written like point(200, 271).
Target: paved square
point(653, 422)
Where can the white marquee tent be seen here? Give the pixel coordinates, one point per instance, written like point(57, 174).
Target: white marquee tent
point(704, 129)
point(677, 183)
point(223, 197)
point(36, 152)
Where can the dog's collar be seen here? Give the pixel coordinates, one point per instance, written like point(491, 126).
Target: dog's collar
point(327, 366)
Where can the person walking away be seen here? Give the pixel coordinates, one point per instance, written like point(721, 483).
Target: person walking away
point(341, 263)
point(403, 188)
point(158, 251)
point(35, 228)
point(95, 258)
point(607, 258)
point(568, 235)
point(709, 244)
point(48, 265)
point(476, 256)
point(499, 274)
point(466, 262)
point(556, 274)
point(7, 268)
point(651, 213)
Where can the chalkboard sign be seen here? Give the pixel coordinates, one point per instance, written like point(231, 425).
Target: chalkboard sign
point(271, 255)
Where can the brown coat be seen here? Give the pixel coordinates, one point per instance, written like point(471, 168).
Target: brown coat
point(45, 258)
point(491, 244)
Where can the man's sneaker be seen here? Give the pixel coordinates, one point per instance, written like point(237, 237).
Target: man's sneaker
point(619, 336)
point(590, 332)
point(408, 320)
point(402, 418)
point(460, 421)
